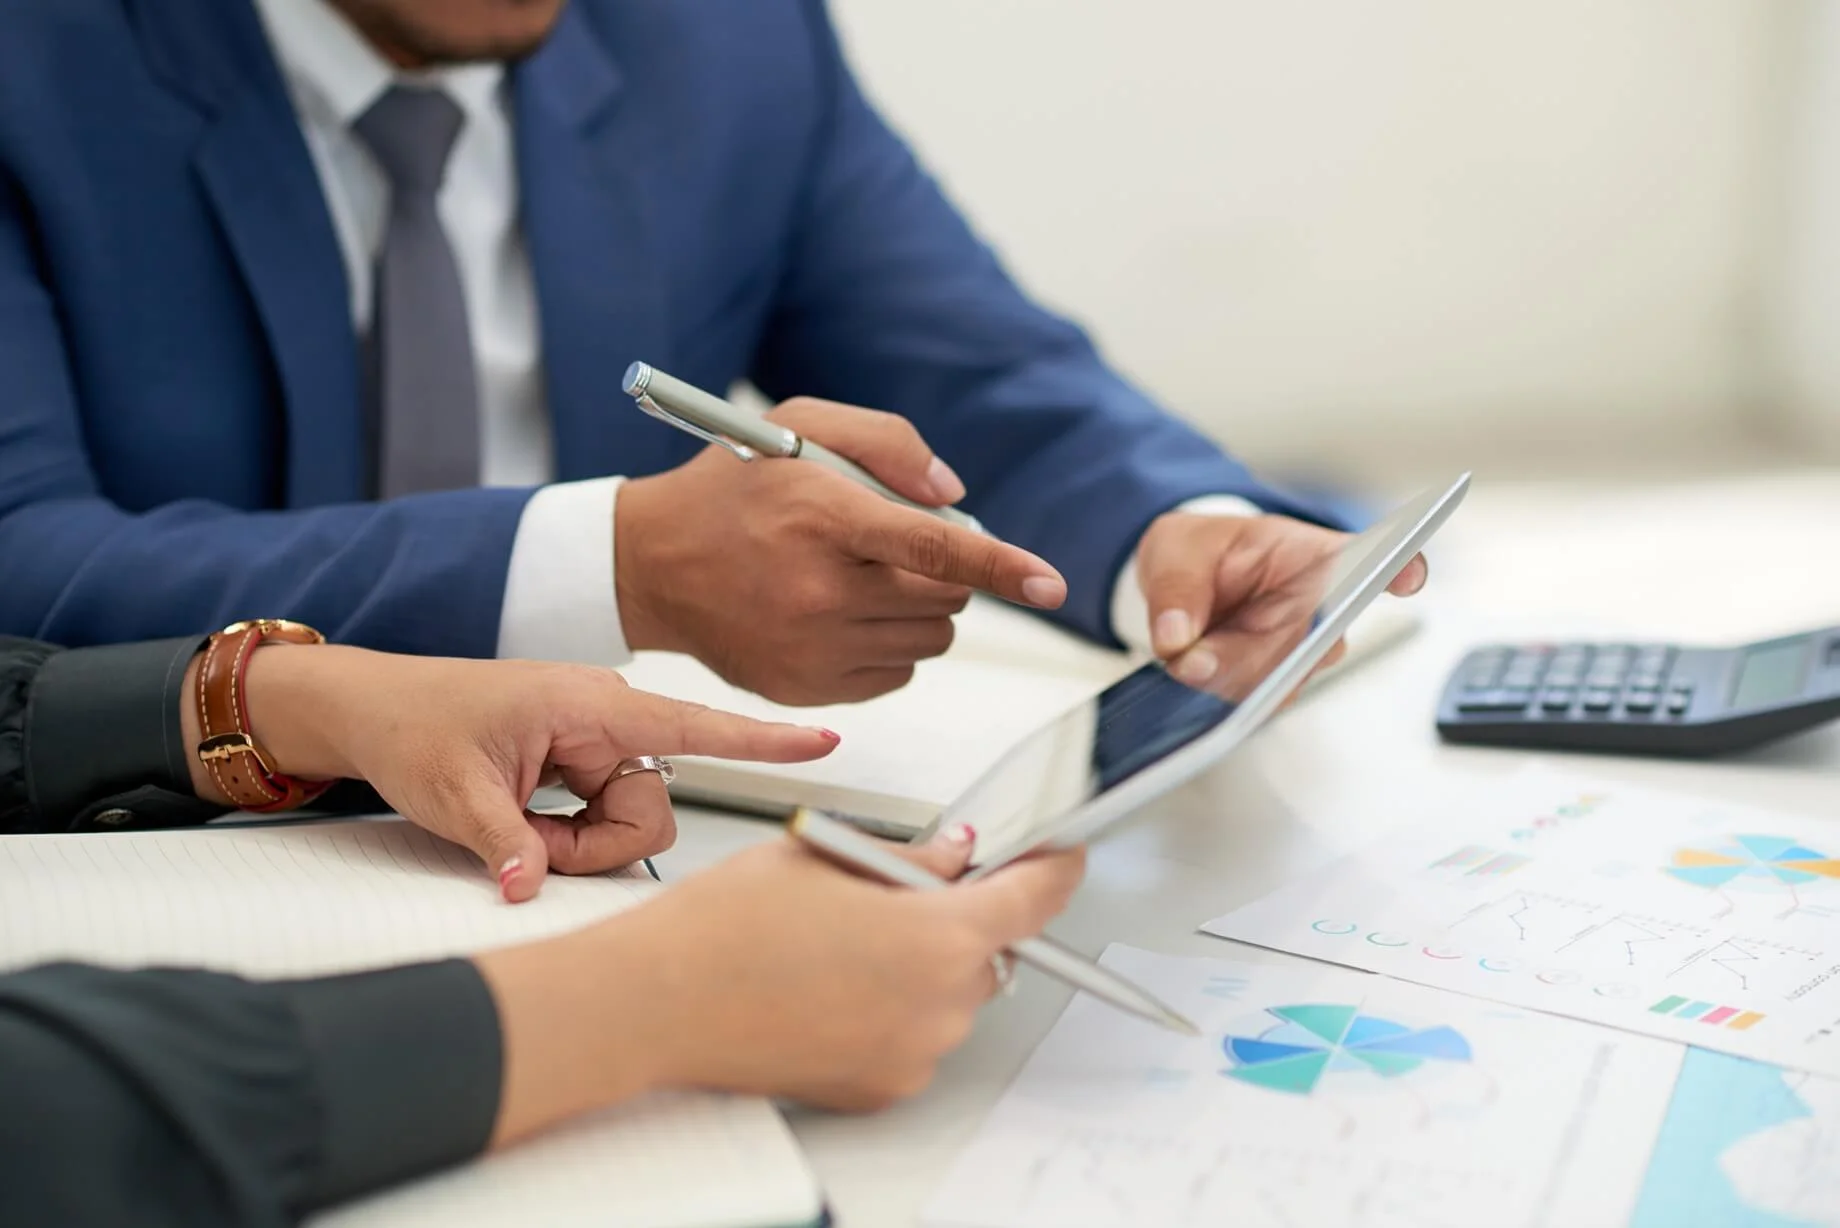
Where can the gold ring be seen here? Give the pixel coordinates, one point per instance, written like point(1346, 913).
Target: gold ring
point(645, 763)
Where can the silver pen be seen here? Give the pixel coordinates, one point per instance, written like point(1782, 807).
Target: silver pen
point(749, 435)
point(862, 853)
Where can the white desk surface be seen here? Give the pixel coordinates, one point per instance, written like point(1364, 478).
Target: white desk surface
point(1709, 562)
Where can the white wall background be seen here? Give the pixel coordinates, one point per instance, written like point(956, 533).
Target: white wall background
point(1313, 225)
point(1805, 262)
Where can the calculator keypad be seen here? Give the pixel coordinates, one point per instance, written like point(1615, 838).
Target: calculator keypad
point(1588, 680)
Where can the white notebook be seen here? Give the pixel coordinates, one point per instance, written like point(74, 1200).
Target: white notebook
point(905, 756)
point(289, 900)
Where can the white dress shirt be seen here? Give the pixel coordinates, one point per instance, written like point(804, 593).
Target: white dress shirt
point(559, 599)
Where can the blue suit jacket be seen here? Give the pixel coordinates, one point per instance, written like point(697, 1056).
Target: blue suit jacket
point(703, 187)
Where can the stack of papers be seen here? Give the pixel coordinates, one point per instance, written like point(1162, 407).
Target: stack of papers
point(1326, 1097)
point(1602, 1006)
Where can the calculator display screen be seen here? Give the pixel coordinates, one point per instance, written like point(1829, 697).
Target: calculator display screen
point(1771, 673)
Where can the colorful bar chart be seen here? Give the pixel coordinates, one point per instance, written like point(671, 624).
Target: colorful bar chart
point(1479, 859)
point(1733, 1017)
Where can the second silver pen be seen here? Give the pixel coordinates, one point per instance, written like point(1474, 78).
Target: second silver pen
point(862, 853)
point(748, 434)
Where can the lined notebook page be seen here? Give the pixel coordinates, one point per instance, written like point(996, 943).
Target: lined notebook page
point(678, 1161)
point(274, 901)
point(314, 898)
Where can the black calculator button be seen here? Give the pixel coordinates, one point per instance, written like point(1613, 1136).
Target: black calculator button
point(1678, 702)
point(1640, 701)
point(1494, 701)
point(1641, 681)
point(1599, 700)
point(1557, 699)
point(1481, 671)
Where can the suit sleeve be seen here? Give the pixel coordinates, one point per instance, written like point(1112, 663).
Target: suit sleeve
point(890, 301)
point(170, 1097)
point(424, 574)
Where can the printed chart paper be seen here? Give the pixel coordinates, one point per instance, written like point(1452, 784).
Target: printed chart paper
point(1317, 1097)
point(1745, 1145)
point(1686, 919)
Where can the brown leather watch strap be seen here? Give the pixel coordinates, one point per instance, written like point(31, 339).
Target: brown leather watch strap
point(243, 771)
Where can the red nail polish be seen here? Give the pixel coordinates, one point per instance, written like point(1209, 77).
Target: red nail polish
point(962, 833)
point(829, 735)
point(506, 873)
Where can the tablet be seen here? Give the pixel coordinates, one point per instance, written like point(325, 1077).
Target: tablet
point(1147, 733)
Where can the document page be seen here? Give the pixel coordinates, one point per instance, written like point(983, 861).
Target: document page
point(1691, 920)
point(1319, 1097)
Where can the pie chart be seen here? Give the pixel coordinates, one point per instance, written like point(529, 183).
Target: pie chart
point(1759, 859)
point(1304, 1044)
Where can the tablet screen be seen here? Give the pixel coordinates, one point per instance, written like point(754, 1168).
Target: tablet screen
point(1147, 718)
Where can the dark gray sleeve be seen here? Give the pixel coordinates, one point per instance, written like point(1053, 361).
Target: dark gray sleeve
point(96, 737)
point(189, 1098)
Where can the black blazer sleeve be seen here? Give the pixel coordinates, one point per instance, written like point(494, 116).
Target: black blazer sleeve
point(90, 738)
point(188, 1098)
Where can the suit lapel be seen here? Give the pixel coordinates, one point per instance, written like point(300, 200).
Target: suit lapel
point(586, 220)
point(260, 181)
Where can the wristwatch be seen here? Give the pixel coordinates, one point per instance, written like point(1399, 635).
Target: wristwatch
point(243, 771)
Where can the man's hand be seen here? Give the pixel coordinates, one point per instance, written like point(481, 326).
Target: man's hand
point(796, 583)
point(1229, 596)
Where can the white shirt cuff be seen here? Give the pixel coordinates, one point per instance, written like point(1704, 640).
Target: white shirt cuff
point(560, 603)
point(1130, 614)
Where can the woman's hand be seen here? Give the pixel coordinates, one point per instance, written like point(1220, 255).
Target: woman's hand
point(774, 973)
point(459, 746)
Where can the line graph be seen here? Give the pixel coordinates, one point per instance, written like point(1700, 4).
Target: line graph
point(1744, 959)
point(1628, 940)
point(1625, 935)
point(1520, 918)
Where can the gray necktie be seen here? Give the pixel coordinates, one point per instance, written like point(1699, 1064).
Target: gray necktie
point(424, 388)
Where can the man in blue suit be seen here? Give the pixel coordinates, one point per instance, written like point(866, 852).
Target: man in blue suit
point(319, 308)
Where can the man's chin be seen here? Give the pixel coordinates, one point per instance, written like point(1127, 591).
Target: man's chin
point(457, 31)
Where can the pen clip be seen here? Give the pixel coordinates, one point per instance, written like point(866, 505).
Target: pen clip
point(649, 406)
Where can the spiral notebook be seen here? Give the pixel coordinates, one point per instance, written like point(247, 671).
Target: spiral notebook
point(302, 899)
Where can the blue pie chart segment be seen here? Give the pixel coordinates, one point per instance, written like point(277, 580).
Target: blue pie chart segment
point(1437, 1044)
point(1253, 1052)
point(1296, 1075)
point(1765, 848)
point(1330, 1023)
point(1367, 1030)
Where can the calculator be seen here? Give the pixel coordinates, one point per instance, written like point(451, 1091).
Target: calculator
point(1643, 699)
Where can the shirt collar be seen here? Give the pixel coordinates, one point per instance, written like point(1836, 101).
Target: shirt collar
point(333, 69)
